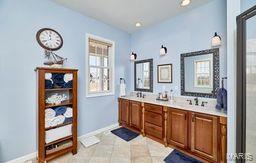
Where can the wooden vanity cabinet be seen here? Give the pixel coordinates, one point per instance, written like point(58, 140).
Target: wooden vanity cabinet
point(177, 128)
point(199, 134)
point(135, 115)
point(153, 125)
point(204, 131)
point(130, 114)
point(124, 112)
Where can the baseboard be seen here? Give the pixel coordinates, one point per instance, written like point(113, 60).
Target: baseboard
point(99, 131)
point(24, 158)
point(34, 155)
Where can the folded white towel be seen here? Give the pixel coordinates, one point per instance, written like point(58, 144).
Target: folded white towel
point(49, 114)
point(57, 120)
point(48, 123)
point(69, 112)
point(122, 90)
point(58, 133)
point(68, 77)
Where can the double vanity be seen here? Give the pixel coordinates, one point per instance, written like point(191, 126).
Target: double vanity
point(196, 130)
point(188, 123)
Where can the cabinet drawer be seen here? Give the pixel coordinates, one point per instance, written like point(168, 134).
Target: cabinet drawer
point(153, 118)
point(153, 130)
point(153, 108)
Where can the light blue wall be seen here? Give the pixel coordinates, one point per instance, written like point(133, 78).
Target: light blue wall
point(191, 31)
point(246, 4)
point(20, 55)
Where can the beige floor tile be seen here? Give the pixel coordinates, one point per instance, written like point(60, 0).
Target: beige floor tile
point(157, 159)
point(109, 141)
point(121, 142)
point(79, 160)
point(103, 151)
point(139, 151)
point(86, 152)
point(121, 151)
point(120, 160)
point(62, 159)
point(157, 150)
point(140, 140)
point(142, 160)
point(100, 160)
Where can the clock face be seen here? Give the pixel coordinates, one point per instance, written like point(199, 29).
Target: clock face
point(49, 39)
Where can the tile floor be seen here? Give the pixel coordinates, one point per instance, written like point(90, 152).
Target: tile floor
point(113, 149)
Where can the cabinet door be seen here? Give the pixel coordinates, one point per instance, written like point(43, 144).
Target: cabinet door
point(204, 135)
point(135, 115)
point(124, 111)
point(177, 128)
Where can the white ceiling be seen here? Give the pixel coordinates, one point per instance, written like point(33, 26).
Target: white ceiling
point(123, 14)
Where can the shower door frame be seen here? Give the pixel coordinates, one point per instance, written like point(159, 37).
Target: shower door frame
point(241, 82)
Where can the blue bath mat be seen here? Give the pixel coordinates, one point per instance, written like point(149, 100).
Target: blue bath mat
point(177, 157)
point(125, 133)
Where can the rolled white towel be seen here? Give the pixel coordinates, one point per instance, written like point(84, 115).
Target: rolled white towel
point(49, 114)
point(48, 76)
point(69, 112)
point(48, 123)
point(68, 77)
point(57, 120)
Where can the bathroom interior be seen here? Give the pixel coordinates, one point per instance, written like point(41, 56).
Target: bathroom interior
point(113, 81)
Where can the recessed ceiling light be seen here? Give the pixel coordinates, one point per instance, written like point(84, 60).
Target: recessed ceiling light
point(185, 2)
point(138, 24)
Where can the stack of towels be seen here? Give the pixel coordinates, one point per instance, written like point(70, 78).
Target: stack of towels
point(57, 116)
point(58, 80)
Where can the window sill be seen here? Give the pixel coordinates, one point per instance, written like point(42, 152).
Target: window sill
point(99, 94)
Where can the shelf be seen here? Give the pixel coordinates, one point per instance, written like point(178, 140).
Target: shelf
point(58, 89)
point(69, 102)
point(58, 153)
point(64, 124)
point(59, 140)
point(67, 144)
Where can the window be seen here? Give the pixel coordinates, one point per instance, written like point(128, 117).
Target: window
point(203, 76)
point(99, 67)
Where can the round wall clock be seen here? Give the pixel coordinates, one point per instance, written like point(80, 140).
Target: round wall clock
point(49, 39)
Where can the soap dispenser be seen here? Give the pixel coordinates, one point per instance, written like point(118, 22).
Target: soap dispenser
point(171, 96)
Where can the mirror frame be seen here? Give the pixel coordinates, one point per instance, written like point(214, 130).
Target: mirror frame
point(151, 75)
point(216, 72)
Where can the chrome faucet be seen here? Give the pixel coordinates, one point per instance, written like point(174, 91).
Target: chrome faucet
point(203, 103)
point(196, 101)
point(190, 102)
point(139, 94)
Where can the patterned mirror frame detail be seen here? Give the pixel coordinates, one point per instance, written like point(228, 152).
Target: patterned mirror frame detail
point(216, 72)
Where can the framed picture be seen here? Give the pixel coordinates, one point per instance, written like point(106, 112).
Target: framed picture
point(164, 73)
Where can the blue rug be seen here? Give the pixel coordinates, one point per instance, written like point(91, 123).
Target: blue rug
point(125, 133)
point(177, 157)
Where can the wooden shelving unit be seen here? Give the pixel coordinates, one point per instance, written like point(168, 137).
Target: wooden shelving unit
point(50, 150)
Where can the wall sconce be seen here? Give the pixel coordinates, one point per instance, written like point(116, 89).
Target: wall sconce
point(163, 50)
point(133, 56)
point(216, 40)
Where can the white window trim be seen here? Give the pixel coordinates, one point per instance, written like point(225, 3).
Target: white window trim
point(112, 67)
point(210, 69)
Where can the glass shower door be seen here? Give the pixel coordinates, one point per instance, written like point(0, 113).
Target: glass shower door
point(250, 76)
point(246, 86)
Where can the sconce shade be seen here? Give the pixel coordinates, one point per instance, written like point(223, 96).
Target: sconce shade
point(216, 40)
point(133, 56)
point(163, 50)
